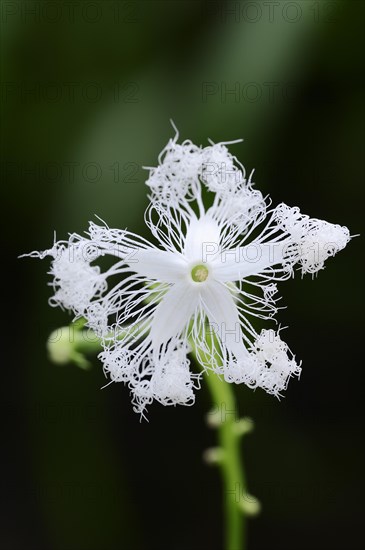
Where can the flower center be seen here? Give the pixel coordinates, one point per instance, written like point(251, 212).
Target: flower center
point(199, 273)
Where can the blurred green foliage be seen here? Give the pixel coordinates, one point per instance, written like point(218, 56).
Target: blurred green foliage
point(88, 89)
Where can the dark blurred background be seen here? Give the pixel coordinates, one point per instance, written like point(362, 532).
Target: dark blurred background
point(87, 91)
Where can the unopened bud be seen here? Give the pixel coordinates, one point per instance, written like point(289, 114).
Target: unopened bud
point(214, 455)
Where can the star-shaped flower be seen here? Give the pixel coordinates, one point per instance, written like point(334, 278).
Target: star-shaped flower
point(208, 275)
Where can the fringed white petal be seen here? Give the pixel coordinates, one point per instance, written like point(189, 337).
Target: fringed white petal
point(159, 264)
point(221, 310)
point(173, 313)
point(313, 241)
point(238, 263)
point(202, 239)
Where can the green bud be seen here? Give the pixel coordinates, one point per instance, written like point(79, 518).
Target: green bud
point(214, 455)
point(250, 505)
point(61, 347)
point(243, 426)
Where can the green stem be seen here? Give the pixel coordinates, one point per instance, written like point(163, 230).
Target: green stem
point(231, 464)
point(230, 428)
point(70, 344)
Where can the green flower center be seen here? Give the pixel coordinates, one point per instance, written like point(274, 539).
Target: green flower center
point(199, 273)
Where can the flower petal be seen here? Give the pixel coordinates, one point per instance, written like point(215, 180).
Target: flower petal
point(222, 312)
point(157, 264)
point(202, 239)
point(237, 263)
point(173, 313)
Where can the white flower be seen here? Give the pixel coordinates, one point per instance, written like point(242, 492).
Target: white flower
point(207, 275)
